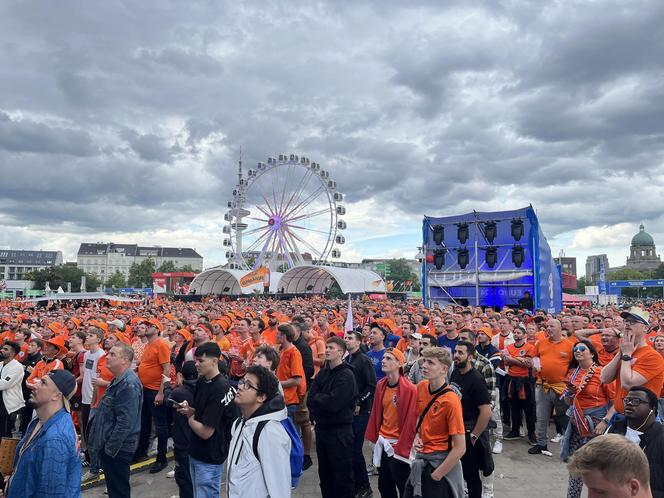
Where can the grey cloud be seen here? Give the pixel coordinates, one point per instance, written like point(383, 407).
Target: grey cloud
point(24, 135)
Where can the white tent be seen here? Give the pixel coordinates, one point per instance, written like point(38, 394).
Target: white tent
point(317, 279)
point(218, 280)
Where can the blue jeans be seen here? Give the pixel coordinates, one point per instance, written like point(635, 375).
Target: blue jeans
point(291, 409)
point(205, 478)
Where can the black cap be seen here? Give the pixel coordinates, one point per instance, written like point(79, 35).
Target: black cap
point(66, 384)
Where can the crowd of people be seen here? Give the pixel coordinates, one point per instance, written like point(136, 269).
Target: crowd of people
point(248, 389)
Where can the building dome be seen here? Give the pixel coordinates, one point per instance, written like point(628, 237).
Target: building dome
point(642, 238)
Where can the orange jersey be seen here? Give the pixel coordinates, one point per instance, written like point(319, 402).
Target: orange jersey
point(443, 420)
point(402, 345)
point(248, 347)
point(389, 427)
point(317, 345)
point(648, 363)
point(594, 393)
point(554, 359)
point(524, 351)
point(606, 356)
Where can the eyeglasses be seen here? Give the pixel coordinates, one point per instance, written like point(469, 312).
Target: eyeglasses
point(243, 384)
point(580, 348)
point(597, 320)
point(633, 401)
point(450, 323)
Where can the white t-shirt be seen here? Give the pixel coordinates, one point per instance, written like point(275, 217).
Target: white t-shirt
point(90, 361)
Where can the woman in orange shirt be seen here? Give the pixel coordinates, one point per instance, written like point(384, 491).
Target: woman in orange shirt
point(590, 405)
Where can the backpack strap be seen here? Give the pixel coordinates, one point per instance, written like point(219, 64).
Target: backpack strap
point(430, 404)
point(257, 433)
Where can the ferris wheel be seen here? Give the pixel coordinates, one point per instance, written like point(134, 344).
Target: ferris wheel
point(285, 212)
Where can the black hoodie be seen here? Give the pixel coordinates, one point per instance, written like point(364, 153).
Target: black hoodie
point(332, 396)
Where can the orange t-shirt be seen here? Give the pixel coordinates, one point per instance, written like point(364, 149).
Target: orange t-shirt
point(154, 356)
point(389, 427)
point(402, 345)
point(317, 345)
point(223, 343)
point(247, 348)
point(270, 336)
point(595, 393)
point(290, 365)
point(23, 354)
point(648, 363)
point(105, 374)
point(443, 420)
point(650, 338)
point(525, 351)
point(554, 359)
point(606, 356)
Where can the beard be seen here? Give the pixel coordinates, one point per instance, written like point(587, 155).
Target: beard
point(461, 364)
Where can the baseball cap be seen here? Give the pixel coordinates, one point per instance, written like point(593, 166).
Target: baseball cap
point(66, 384)
point(637, 314)
point(118, 323)
point(416, 335)
point(398, 355)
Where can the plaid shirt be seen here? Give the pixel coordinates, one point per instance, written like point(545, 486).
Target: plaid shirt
point(484, 366)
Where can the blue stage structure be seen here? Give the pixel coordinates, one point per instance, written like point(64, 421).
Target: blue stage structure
point(489, 259)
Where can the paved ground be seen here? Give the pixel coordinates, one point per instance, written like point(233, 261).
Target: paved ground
point(517, 475)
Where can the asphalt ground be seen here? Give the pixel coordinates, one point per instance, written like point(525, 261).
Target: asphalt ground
point(517, 475)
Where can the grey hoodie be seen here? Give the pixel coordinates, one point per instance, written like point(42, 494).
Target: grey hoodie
point(271, 477)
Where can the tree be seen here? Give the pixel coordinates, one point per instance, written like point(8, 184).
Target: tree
point(166, 267)
point(140, 274)
point(399, 272)
point(116, 281)
point(188, 268)
point(581, 285)
point(59, 276)
point(334, 292)
point(92, 282)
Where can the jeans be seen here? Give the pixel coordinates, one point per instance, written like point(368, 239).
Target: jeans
point(116, 473)
point(495, 415)
point(151, 411)
point(205, 478)
point(360, 422)
point(291, 409)
point(182, 473)
point(547, 402)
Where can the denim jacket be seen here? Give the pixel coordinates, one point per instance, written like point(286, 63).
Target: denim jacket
point(117, 423)
point(49, 466)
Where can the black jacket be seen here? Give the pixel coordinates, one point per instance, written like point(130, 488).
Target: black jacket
point(365, 378)
point(652, 444)
point(332, 396)
point(307, 358)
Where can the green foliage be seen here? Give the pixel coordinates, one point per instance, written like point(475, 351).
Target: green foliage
point(188, 268)
point(400, 272)
point(116, 281)
point(59, 276)
point(140, 274)
point(166, 267)
point(334, 292)
point(581, 285)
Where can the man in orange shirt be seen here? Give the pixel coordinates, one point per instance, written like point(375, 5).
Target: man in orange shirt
point(638, 364)
point(317, 345)
point(290, 371)
point(440, 439)
point(270, 334)
point(520, 384)
point(551, 355)
point(154, 374)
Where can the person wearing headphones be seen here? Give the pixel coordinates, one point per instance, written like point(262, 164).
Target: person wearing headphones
point(641, 427)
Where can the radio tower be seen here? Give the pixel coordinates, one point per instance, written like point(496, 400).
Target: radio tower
point(239, 212)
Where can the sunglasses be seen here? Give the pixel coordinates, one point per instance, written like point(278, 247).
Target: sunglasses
point(580, 348)
point(633, 401)
point(450, 323)
point(597, 320)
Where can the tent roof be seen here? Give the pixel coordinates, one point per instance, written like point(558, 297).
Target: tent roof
point(316, 279)
point(218, 280)
point(572, 299)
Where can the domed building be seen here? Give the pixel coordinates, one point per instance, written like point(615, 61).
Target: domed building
point(642, 252)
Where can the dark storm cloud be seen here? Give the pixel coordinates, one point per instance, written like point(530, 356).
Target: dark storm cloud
point(121, 117)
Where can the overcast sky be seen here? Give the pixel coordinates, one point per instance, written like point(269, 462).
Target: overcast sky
point(122, 121)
